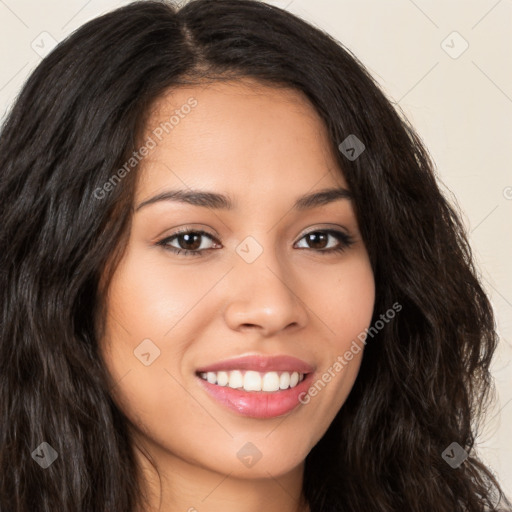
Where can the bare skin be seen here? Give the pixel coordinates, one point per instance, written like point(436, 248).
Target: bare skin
point(263, 147)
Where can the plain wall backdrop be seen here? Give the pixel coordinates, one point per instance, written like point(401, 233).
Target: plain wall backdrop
point(446, 63)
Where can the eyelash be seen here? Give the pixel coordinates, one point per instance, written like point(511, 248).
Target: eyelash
point(345, 242)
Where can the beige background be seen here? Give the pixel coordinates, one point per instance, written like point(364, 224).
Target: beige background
point(459, 99)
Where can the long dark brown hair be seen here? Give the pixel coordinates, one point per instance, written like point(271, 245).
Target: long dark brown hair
point(424, 380)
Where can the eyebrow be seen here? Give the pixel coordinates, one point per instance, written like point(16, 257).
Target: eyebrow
point(222, 202)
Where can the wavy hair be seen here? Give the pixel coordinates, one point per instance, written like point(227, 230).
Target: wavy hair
point(424, 381)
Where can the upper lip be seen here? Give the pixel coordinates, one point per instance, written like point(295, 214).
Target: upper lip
point(260, 363)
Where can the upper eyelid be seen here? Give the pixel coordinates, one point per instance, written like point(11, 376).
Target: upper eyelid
point(326, 227)
point(186, 231)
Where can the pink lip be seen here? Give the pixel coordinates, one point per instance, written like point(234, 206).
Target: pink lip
point(259, 404)
point(260, 364)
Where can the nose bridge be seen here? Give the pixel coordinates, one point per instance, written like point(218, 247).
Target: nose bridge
point(258, 259)
point(262, 292)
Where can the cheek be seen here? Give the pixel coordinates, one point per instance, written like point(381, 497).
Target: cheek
point(147, 308)
point(148, 295)
point(152, 298)
point(343, 299)
point(344, 305)
point(142, 349)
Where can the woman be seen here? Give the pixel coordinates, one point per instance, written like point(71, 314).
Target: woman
point(230, 280)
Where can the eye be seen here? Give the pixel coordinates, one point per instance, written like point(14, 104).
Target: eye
point(190, 242)
point(320, 240)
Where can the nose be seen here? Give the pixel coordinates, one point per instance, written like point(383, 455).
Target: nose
point(264, 295)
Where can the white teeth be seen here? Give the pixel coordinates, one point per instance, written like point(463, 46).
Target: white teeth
point(254, 381)
point(236, 379)
point(222, 378)
point(270, 382)
point(284, 381)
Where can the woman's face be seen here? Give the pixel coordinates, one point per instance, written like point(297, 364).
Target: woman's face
point(260, 284)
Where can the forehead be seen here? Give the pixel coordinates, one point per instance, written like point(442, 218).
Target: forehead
point(234, 134)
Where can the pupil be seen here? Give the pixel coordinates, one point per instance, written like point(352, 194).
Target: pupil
point(189, 239)
point(315, 238)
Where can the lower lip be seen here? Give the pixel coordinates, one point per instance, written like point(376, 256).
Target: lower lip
point(258, 404)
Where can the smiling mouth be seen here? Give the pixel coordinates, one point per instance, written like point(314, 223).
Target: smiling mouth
point(242, 380)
